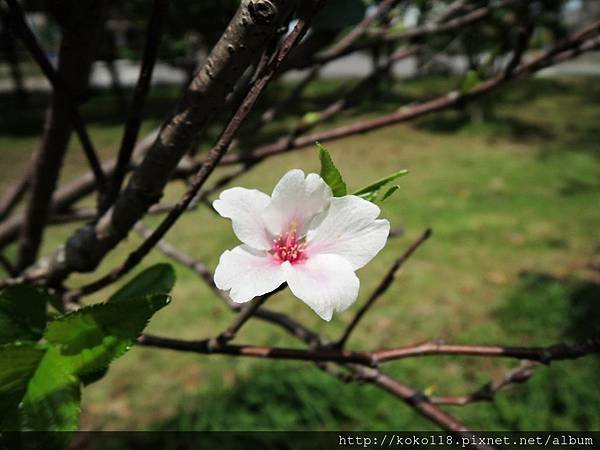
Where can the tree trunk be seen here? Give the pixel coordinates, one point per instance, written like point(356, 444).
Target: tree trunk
point(81, 21)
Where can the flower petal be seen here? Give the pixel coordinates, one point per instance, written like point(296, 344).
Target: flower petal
point(296, 200)
point(326, 283)
point(244, 207)
point(349, 229)
point(247, 273)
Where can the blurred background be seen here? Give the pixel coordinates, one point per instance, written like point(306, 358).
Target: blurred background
point(510, 186)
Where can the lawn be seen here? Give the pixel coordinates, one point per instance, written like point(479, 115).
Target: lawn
point(514, 204)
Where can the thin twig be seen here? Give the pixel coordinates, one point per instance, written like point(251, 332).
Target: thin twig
point(382, 288)
point(134, 120)
point(206, 347)
point(212, 159)
point(17, 20)
point(569, 48)
point(488, 391)
point(245, 314)
point(544, 355)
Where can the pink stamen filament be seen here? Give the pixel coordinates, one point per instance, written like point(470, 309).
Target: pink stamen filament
point(287, 247)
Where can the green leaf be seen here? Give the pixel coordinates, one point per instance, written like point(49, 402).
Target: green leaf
point(158, 279)
point(91, 337)
point(389, 192)
point(51, 402)
point(90, 378)
point(470, 80)
point(22, 313)
point(18, 363)
point(370, 192)
point(37, 393)
point(330, 173)
point(311, 118)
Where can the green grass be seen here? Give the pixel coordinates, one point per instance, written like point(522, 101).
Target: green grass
point(513, 202)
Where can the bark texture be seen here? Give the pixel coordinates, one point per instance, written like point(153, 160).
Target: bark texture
point(81, 22)
point(253, 26)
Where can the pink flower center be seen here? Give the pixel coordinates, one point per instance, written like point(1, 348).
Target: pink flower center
point(287, 247)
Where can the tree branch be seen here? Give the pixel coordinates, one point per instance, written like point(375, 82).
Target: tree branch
point(214, 155)
point(382, 288)
point(240, 45)
point(488, 391)
point(569, 48)
point(544, 355)
point(75, 58)
point(134, 120)
point(60, 80)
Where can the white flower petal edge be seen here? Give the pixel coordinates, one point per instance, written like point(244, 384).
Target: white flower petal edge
point(326, 283)
point(301, 235)
point(350, 230)
point(247, 273)
point(296, 199)
point(245, 208)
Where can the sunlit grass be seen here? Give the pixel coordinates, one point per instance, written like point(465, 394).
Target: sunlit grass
point(518, 193)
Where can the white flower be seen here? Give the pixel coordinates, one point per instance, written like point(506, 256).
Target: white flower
point(301, 235)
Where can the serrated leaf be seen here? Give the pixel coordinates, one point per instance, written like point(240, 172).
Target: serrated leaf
point(330, 173)
point(389, 192)
point(470, 80)
point(370, 192)
point(157, 279)
point(22, 313)
point(18, 363)
point(91, 337)
point(51, 402)
point(37, 394)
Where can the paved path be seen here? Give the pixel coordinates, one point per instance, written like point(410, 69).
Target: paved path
point(353, 66)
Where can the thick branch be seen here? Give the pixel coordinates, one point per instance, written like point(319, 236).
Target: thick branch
point(240, 46)
point(214, 155)
point(75, 59)
point(569, 48)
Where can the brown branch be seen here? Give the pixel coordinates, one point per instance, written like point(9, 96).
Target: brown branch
point(382, 288)
point(212, 159)
point(544, 355)
point(206, 347)
point(245, 314)
point(412, 397)
point(59, 80)
point(65, 197)
point(338, 48)
point(240, 46)
point(567, 49)
point(134, 120)
point(488, 391)
point(359, 30)
point(80, 34)
point(442, 25)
